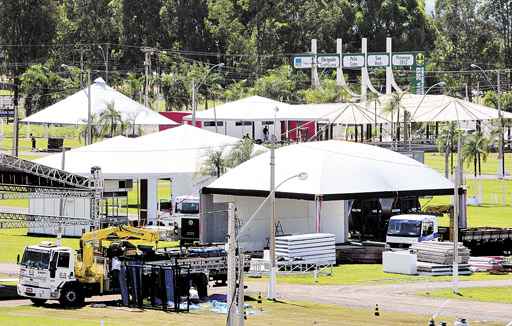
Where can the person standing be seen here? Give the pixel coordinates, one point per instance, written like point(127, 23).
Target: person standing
point(116, 269)
point(265, 133)
point(33, 140)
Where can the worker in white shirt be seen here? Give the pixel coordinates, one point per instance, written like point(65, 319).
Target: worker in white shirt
point(115, 270)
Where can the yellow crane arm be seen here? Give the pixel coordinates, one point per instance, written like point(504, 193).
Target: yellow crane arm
point(122, 232)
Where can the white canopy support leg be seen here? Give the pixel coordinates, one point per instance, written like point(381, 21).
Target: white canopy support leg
point(152, 199)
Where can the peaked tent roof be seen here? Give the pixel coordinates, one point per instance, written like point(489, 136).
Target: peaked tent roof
point(173, 151)
point(73, 109)
point(342, 113)
point(336, 170)
point(431, 108)
point(254, 108)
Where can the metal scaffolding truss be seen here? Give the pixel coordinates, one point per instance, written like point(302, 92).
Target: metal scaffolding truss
point(45, 194)
point(39, 170)
point(21, 220)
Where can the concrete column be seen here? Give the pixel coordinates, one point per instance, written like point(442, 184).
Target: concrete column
point(152, 199)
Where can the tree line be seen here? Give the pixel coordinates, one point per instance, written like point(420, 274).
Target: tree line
point(254, 39)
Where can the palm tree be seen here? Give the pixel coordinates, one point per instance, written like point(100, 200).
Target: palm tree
point(95, 132)
point(476, 148)
point(242, 152)
point(446, 142)
point(110, 120)
point(393, 105)
point(214, 163)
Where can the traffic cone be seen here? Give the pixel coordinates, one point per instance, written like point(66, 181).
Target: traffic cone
point(260, 302)
point(376, 313)
point(432, 322)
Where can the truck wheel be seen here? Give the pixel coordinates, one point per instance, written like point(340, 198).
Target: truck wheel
point(38, 302)
point(70, 296)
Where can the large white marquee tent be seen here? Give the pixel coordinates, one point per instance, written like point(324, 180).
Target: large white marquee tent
point(73, 110)
point(338, 172)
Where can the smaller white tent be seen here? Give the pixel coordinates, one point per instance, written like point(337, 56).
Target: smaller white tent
point(253, 108)
point(340, 113)
point(73, 110)
point(175, 153)
point(439, 108)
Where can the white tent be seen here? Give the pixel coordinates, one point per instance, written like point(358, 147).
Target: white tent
point(253, 108)
point(340, 113)
point(176, 150)
point(73, 109)
point(338, 172)
point(438, 108)
point(335, 169)
point(175, 153)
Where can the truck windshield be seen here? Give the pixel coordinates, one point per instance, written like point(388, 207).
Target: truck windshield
point(405, 228)
point(36, 259)
point(189, 208)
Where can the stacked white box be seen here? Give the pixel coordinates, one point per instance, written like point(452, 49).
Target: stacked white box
point(314, 248)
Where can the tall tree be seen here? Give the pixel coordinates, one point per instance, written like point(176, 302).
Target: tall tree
point(28, 27)
point(404, 20)
point(462, 35)
point(140, 27)
point(499, 12)
point(183, 24)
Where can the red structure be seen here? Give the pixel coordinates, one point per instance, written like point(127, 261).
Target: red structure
point(178, 117)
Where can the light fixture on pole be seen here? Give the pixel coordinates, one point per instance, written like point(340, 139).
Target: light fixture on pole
point(195, 88)
point(234, 251)
point(440, 84)
point(104, 54)
point(497, 89)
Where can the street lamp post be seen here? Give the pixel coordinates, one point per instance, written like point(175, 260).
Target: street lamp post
point(441, 84)
point(497, 89)
point(195, 88)
point(104, 54)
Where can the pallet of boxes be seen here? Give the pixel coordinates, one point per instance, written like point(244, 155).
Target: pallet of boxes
point(436, 258)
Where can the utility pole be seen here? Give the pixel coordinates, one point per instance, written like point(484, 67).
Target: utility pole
point(89, 109)
point(61, 201)
point(193, 102)
point(501, 155)
point(456, 213)
point(315, 82)
point(230, 297)
point(273, 267)
point(147, 67)
point(364, 76)
point(15, 147)
point(81, 68)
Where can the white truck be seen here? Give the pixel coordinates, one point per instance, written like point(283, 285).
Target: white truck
point(47, 273)
point(404, 230)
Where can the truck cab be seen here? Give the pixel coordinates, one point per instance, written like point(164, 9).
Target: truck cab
point(187, 205)
point(404, 230)
point(46, 271)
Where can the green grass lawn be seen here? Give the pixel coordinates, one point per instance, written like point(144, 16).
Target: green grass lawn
point(278, 313)
point(353, 274)
point(436, 161)
point(488, 294)
point(15, 240)
point(491, 212)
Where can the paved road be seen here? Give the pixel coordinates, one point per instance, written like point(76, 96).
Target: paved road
point(398, 298)
point(390, 297)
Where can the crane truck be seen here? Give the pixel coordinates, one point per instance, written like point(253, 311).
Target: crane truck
point(51, 272)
